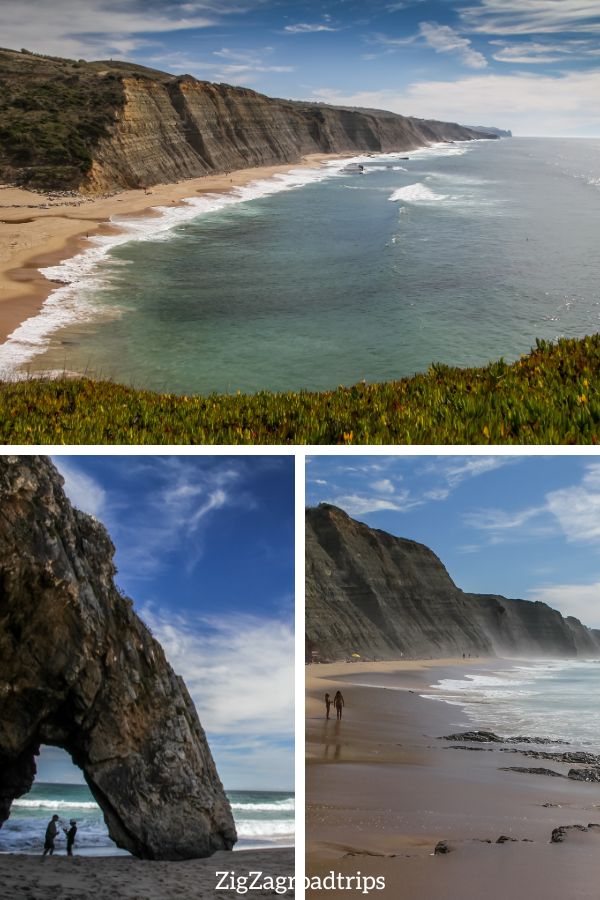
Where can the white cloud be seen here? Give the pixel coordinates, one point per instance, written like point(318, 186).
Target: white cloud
point(577, 508)
point(532, 52)
point(529, 104)
point(360, 504)
point(456, 470)
point(579, 600)
point(444, 39)
point(239, 670)
point(384, 486)
point(308, 28)
point(81, 489)
point(96, 28)
point(531, 16)
point(498, 520)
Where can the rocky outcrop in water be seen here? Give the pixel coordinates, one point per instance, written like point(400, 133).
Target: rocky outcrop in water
point(79, 670)
point(371, 593)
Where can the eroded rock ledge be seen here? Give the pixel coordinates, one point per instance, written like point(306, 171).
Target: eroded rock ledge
point(79, 670)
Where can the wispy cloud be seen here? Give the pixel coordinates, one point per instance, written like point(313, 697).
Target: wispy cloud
point(577, 508)
point(360, 504)
point(530, 104)
point(239, 671)
point(531, 16)
point(309, 28)
point(498, 521)
point(537, 53)
point(92, 28)
point(579, 600)
point(444, 39)
point(81, 489)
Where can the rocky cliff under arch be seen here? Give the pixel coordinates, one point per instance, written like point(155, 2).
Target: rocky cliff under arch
point(79, 670)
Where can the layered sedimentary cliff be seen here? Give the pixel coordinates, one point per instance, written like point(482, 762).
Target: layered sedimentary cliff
point(378, 595)
point(183, 128)
point(79, 670)
point(108, 125)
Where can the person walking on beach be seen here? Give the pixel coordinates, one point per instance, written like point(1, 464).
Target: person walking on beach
point(51, 832)
point(338, 702)
point(327, 704)
point(70, 833)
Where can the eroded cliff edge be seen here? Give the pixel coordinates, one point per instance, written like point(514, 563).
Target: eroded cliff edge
point(379, 595)
point(80, 670)
point(105, 126)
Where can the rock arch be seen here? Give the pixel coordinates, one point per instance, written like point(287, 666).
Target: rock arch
point(79, 670)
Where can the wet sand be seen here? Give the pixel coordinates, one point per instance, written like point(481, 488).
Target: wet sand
point(125, 878)
point(39, 230)
point(382, 791)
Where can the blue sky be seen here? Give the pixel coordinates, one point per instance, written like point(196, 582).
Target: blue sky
point(521, 526)
point(205, 548)
point(529, 65)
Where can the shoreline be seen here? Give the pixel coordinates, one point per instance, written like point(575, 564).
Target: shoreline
point(382, 791)
point(90, 878)
point(38, 232)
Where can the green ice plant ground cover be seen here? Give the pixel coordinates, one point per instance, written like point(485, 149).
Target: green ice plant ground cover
point(550, 396)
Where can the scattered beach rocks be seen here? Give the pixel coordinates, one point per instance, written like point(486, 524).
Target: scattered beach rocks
point(473, 749)
point(560, 833)
point(490, 737)
point(590, 775)
point(483, 737)
point(533, 771)
point(588, 759)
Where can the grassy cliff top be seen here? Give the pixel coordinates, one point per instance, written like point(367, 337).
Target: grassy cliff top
point(551, 396)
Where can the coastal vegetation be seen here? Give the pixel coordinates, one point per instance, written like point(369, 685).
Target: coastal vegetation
point(549, 396)
point(53, 112)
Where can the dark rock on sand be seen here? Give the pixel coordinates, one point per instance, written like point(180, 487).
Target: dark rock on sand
point(504, 838)
point(527, 771)
point(560, 833)
point(79, 670)
point(584, 774)
point(589, 759)
point(441, 847)
point(483, 737)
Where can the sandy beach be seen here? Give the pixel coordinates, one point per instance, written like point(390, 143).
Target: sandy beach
point(107, 878)
point(39, 230)
point(382, 791)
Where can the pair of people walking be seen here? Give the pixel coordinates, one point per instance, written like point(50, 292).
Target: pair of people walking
point(52, 834)
point(338, 702)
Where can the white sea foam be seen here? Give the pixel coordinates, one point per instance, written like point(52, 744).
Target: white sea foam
point(278, 806)
point(81, 275)
point(253, 828)
point(417, 193)
point(553, 698)
point(54, 804)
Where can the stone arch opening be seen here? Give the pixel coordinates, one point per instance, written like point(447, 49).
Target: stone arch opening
point(80, 671)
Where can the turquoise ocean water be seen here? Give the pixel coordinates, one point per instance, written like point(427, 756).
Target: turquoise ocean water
point(263, 819)
point(460, 254)
point(557, 699)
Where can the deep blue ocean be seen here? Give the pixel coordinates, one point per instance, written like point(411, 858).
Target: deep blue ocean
point(460, 254)
point(263, 819)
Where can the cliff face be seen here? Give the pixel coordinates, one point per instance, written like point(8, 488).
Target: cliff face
point(184, 128)
point(79, 670)
point(104, 126)
point(378, 595)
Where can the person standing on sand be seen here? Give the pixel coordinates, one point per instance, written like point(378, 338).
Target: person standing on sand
point(51, 832)
point(70, 833)
point(327, 704)
point(338, 702)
